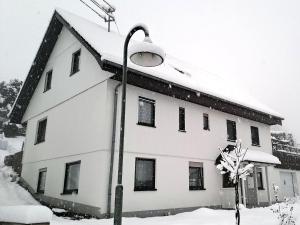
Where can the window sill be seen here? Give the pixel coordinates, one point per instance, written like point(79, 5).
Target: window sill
point(36, 143)
point(73, 73)
point(184, 131)
point(231, 140)
point(69, 192)
point(140, 189)
point(199, 189)
point(256, 145)
point(261, 189)
point(206, 129)
point(146, 124)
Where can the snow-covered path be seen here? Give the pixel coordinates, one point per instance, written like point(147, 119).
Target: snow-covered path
point(12, 194)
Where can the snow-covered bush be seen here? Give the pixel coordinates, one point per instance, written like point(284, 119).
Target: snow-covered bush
point(284, 212)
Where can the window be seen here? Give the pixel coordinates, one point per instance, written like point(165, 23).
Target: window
point(231, 130)
point(146, 114)
point(41, 181)
point(254, 136)
point(72, 177)
point(75, 62)
point(144, 174)
point(205, 121)
point(41, 131)
point(260, 185)
point(227, 183)
point(48, 80)
point(196, 179)
point(181, 119)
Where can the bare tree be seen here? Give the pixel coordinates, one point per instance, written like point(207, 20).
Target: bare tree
point(232, 163)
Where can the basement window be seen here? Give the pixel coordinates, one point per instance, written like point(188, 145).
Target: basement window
point(41, 181)
point(72, 177)
point(75, 62)
point(41, 131)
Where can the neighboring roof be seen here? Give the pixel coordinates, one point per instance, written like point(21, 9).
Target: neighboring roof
point(107, 48)
point(254, 156)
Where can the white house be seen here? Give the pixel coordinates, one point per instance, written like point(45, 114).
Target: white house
point(176, 119)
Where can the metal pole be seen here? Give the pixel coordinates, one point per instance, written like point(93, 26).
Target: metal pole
point(119, 187)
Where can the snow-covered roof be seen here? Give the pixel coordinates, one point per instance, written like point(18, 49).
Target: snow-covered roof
point(261, 157)
point(110, 46)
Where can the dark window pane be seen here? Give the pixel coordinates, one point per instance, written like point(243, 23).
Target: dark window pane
point(254, 135)
point(72, 177)
point(41, 131)
point(260, 180)
point(75, 62)
point(196, 178)
point(144, 174)
point(42, 181)
point(146, 112)
point(181, 118)
point(227, 183)
point(48, 80)
point(231, 130)
point(205, 122)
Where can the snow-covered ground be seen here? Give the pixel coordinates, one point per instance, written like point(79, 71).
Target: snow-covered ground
point(12, 194)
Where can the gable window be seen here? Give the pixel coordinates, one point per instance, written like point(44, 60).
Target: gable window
point(41, 181)
point(72, 177)
point(205, 121)
point(231, 130)
point(227, 183)
point(41, 131)
point(260, 185)
point(144, 174)
point(48, 79)
point(181, 119)
point(75, 62)
point(196, 178)
point(146, 114)
point(254, 136)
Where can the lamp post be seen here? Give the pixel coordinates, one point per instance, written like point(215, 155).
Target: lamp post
point(143, 54)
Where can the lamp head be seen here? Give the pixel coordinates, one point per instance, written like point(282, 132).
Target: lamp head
point(146, 53)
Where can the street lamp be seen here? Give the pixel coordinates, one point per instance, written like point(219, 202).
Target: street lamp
point(143, 54)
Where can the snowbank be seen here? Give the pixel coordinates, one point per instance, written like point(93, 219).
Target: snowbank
point(25, 214)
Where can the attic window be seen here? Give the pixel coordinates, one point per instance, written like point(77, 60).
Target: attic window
point(75, 62)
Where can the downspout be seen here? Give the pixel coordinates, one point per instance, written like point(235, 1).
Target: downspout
point(112, 153)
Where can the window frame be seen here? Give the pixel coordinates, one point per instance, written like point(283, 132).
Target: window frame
point(181, 111)
point(235, 131)
point(206, 118)
point(37, 141)
point(46, 87)
point(252, 128)
point(200, 166)
point(70, 191)
point(143, 188)
point(152, 102)
point(78, 52)
point(38, 190)
point(259, 171)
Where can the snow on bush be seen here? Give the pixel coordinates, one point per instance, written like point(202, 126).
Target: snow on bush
point(25, 214)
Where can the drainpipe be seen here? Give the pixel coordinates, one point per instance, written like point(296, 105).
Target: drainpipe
point(112, 153)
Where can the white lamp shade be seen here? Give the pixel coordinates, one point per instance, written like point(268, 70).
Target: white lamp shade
point(146, 54)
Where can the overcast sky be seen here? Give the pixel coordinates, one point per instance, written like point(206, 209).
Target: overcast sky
point(254, 42)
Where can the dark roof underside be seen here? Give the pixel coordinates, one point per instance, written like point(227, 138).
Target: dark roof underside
point(135, 78)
